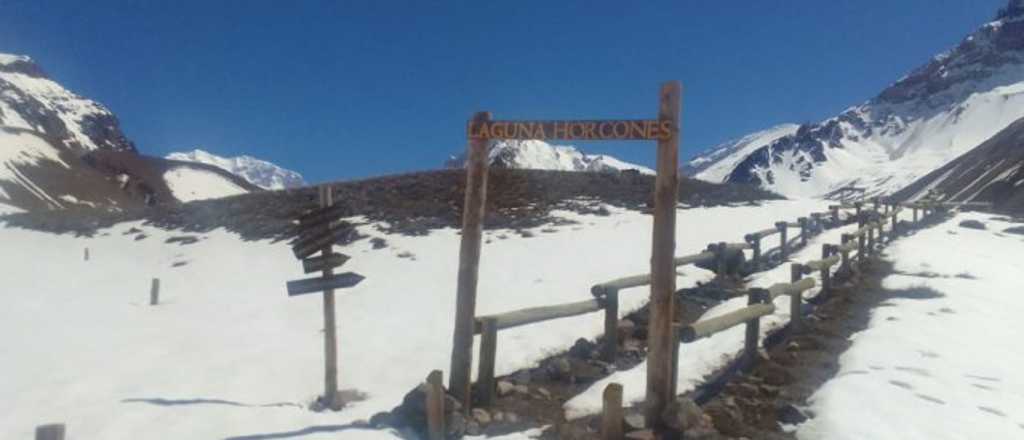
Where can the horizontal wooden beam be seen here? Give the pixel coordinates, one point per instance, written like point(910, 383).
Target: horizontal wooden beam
point(822, 263)
point(648, 129)
point(322, 215)
point(315, 243)
point(310, 285)
point(777, 290)
point(708, 327)
point(539, 314)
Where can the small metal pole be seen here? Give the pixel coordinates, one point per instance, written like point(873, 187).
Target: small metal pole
point(50, 432)
point(86, 254)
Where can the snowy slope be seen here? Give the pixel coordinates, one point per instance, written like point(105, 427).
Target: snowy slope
point(261, 173)
point(947, 367)
point(30, 100)
point(715, 164)
point(228, 355)
point(536, 154)
point(188, 184)
point(936, 113)
point(20, 149)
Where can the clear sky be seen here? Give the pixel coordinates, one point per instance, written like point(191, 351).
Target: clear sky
point(348, 89)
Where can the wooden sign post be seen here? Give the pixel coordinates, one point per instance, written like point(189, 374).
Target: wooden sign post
point(318, 234)
point(481, 131)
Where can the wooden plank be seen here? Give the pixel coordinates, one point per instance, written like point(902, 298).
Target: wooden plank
point(710, 326)
point(534, 315)
point(612, 415)
point(319, 263)
point(779, 289)
point(435, 406)
point(320, 284)
point(488, 352)
point(765, 232)
point(823, 263)
point(663, 276)
point(317, 243)
point(660, 129)
point(469, 264)
point(321, 215)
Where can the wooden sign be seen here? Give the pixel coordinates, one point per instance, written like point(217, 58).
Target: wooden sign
point(651, 129)
point(313, 243)
point(321, 215)
point(320, 263)
point(320, 284)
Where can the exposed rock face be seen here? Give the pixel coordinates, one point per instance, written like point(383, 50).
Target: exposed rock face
point(951, 104)
point(261, 173)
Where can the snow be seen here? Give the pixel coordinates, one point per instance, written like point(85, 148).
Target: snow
point(10, 59)
point(716, 164)
point(188, 184)
point(261, 173)
point(540, 155)
point(703, 357)
point(227, 354)
point(936, 368)
point(20, 148)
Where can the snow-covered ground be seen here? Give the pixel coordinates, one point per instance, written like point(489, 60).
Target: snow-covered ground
point(188, 184)
point(705, 356)
point(228, 355)
point(944, 367)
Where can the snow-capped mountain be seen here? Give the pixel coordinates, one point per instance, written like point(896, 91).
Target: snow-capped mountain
point(59, 150)
point(715, 164)
point(535, 154)
point(261, 173)
point(939, 111)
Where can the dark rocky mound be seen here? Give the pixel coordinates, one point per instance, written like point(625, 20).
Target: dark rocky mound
point(411, 203)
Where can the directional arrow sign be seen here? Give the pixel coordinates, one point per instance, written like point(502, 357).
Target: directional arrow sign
point(310, 285)
point(316, 264)
point(321, 215)
point(315, 243)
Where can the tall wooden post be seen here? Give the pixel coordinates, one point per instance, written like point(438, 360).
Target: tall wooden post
point(330, 328)
point(796, 273)
point(611, 325)
point(469, 264)
point(663, 277)
point(783, 241)
point(752, 329)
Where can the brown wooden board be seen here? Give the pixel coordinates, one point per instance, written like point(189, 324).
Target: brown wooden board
point(319, 263)
point(647, 129)
point(314, 243)
point(310, 285)
point(321, 215)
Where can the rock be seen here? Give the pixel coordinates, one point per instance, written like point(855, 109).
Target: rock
point(682, 414)
point(522, 389)
point(473, 428)
point(382, 420)
point(582, 349)
point(635, 421)
point(625, 329)
point(499, 417)
point(505, 388)
point(972, 224)
point(543, 392)
point(645, 434)
point(378, 243)
point(774, 374)
point(743, 389)
point(511, 417)
point(481, 416)
point(560, 369)
point(456, 424)
point(521, 377)
point(789, 414)
point(726, 417)
point(585, 371)
point(1015, 230)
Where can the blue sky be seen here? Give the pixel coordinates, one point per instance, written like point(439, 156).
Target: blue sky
point(349, 89)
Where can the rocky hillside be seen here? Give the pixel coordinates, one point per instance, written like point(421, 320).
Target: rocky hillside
point(992, 172)
point(939, 111)
point(540, 155)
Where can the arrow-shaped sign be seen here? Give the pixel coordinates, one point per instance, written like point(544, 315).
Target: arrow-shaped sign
point(316, 264)
point(310, 285)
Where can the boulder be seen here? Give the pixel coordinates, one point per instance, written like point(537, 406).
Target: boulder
point(682, 414)
point(972, 224)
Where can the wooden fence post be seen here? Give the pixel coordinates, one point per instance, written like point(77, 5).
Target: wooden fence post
point(86, 254)
point(755, 246)
point(663, 276)
point(50, 432)
point(858, 206)
point(154, 292)
point(846, 254)
point(752, 331)
point(796, 273)
point(895, 225)
point(784, 245)
point(876, 202)
point(861, 249)
point(827, 250)
point(871, 239)
point(469, 265)
point(611, 325)
point(834, 209)
point(721, 260)
point(915, 215)
point(435, 406)
point(488, 352)
point(611, 414)
point(802, 221)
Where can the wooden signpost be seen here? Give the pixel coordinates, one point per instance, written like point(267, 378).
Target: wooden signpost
point(318, 232)
point(481, 131)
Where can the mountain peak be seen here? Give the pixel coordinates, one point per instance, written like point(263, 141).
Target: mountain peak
point(536, 154)
point(261, 173)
